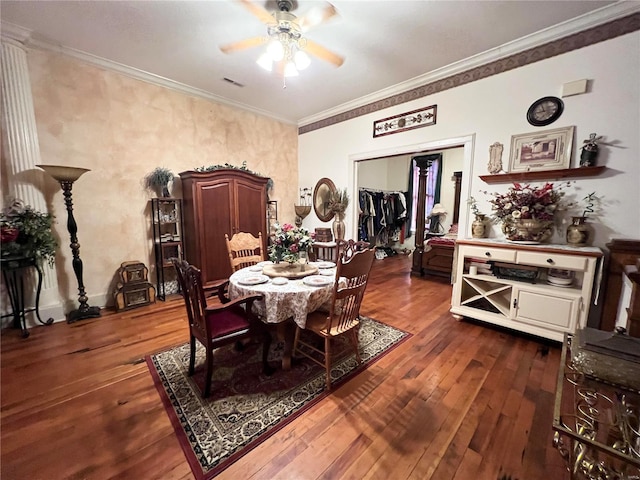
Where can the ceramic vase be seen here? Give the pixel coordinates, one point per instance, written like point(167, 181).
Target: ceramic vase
point(478, 227)
point(529, 230)
point(589, 156)
point(338, 227)
point(579, 232)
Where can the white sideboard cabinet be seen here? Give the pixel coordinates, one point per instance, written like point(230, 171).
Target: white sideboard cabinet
point(509, 297)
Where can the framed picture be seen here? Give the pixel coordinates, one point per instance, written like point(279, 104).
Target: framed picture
point(546, 150)
point(422, 117)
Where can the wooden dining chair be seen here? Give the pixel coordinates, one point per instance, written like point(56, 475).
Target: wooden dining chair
point(216, 325)
point(352, 275)
point(346, 248)
point(244, 250)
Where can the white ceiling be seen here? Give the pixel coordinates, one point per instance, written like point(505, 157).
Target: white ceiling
point(387, 44)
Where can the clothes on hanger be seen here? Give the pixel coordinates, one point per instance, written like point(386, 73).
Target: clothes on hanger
point(383, 216)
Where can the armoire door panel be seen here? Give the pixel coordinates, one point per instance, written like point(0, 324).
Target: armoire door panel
point(250, 208)
point(215, 220)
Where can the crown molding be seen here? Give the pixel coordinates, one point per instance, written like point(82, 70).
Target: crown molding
point(570, 27)
point(14, 33)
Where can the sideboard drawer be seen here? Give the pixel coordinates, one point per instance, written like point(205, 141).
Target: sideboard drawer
point(553, 260)
point(499, 254)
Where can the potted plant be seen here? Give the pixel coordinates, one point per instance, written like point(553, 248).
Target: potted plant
point(158, 180)
point(28, 233)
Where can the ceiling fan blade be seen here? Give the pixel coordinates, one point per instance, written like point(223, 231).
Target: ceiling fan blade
point(242, 44)
point(316, 16)
point(263, 15)
point(324, 54)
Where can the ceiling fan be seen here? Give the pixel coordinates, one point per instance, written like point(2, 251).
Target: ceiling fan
point(287, 48)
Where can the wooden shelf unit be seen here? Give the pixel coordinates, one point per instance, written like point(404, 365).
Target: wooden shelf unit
point(543, 175)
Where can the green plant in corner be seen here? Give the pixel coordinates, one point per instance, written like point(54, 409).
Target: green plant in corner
point(158, 180)
point(26, 232)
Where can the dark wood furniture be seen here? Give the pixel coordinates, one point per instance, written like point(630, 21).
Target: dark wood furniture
point(632, 309)
point(218, 202)
point(621, 252)
point(437, 257)
point(216, 325)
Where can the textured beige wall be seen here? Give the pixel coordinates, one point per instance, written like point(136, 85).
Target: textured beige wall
point(122, 128)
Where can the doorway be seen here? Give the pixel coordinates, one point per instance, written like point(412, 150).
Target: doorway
point(396, 163)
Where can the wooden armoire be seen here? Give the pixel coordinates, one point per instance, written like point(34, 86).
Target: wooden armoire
point(218, 202)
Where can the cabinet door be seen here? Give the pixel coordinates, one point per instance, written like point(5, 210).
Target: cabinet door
point(251, 209)
point(214, 220)
point(544, 309)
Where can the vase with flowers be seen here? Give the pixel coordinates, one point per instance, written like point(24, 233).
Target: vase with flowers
point(289, 243)
point(527, 212)
point(579, 232)
point(478, 226)
point(338, 203)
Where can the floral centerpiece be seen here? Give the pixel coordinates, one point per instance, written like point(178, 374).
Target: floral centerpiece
point(25, 232)
point(527, 212)
point(288, 242)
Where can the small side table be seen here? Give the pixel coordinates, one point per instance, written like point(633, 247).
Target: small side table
point(13, 272)
point(595, 421)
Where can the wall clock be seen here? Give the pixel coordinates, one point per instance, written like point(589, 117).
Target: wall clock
point(545, 111)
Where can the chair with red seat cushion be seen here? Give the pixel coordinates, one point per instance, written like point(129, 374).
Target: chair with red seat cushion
point(216, 325)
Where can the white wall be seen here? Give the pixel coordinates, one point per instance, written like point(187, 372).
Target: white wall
point(492, 110)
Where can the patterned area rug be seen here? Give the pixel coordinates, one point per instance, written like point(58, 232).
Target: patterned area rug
point(245, 406)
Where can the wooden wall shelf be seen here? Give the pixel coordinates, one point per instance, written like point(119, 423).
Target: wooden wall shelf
point(543, 175)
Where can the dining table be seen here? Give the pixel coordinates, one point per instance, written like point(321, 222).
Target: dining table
point(289, 293)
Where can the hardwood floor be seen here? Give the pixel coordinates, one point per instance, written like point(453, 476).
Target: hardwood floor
point(458, 401)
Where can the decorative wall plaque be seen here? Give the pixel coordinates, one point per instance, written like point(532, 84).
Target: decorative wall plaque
point(422, 117)
point(495, 158)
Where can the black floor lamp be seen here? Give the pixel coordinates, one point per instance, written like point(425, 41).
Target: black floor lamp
point(66, 176)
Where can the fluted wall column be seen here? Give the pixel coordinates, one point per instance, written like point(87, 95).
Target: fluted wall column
point(21, 151)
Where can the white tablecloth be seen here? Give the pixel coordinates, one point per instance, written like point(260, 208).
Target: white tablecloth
point(281, 302)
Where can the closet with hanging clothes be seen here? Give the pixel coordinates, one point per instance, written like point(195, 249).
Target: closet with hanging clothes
point(383, 218)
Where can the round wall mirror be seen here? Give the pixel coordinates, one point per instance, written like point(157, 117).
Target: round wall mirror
point(324, 187)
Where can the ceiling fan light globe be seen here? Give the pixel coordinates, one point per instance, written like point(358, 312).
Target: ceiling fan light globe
point(275, 49)
point(265, 62)
point(302, 60)
point(290, 70)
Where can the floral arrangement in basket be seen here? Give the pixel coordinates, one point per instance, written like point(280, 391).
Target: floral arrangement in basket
point(535, 205)
point(525, 201)
point(288, 242)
